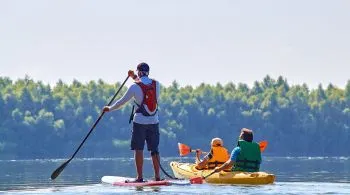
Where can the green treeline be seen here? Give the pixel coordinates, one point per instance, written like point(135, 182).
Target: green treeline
point(40, 121)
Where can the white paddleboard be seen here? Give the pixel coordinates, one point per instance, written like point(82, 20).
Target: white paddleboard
point(120, 181)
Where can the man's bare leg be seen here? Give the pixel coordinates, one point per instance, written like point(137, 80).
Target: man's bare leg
point(156, 161)
point(139, 163)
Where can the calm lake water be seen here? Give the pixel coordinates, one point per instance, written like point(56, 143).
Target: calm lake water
point(303, 175)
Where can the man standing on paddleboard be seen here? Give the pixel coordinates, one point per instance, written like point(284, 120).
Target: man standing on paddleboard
point(145, 92)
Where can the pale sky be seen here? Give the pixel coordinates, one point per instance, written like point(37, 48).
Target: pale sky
point(191, 41)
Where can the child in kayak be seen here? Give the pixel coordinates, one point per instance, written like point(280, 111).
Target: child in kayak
point(217, 156)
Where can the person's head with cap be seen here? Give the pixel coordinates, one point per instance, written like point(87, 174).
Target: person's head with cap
point(217, 142)
point(246, 135)
point(142, 69)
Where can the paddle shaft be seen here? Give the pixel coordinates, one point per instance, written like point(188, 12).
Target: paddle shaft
point(194, 151)
point(262, 143)
point(60, 168)
point(99, 118)
point(209, 175)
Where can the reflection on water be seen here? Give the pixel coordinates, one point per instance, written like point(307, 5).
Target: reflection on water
point(82, 175)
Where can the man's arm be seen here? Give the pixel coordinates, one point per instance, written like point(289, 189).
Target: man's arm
point(226, 165)
point(130, 93)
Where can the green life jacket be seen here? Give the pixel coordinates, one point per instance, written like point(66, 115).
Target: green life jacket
point(249, 158)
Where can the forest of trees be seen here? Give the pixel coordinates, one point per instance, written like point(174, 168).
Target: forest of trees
point(42, 121)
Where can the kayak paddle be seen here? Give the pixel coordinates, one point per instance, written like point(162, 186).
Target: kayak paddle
point(60, 168)
point(185, 149)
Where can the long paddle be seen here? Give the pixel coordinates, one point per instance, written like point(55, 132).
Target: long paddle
point(185, 149)
point(60, 168)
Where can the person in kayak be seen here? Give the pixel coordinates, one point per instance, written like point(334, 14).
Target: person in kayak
point(145, 92)
point(246, 156)
point(218, 155)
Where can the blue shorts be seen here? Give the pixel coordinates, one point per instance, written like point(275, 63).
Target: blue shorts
point(145, 133)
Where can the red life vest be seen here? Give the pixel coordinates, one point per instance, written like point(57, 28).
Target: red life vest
point(149, 104)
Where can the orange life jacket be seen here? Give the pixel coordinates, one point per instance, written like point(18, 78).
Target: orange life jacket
point(149, 104)
point(219, 156)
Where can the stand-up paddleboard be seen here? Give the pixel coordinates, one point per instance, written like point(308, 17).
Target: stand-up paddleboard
point(120, 181)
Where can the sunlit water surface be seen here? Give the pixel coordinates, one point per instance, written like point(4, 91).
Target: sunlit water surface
point(302, 175)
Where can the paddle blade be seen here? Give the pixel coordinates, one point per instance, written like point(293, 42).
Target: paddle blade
point(183, 149)
point(58, 171)
point(263, 145)
point(196, 180)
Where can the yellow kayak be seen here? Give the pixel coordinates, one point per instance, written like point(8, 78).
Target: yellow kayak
point(188, 171)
